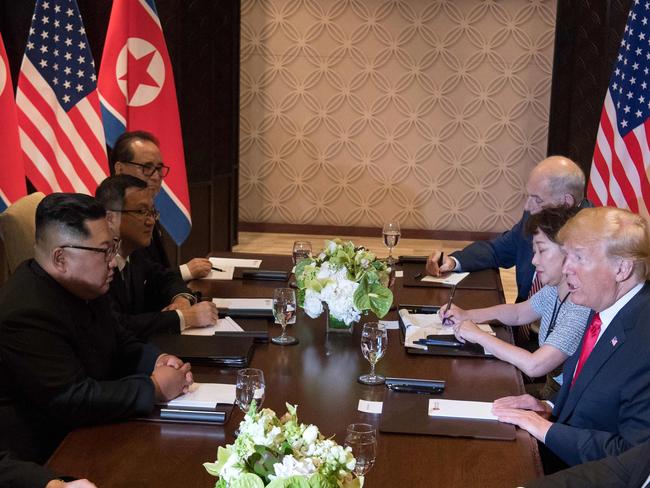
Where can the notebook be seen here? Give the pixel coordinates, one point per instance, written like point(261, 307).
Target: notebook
point(208, 350)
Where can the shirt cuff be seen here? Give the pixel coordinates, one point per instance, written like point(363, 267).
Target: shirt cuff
point(457, 267)
point(186, 274)
point(191, 298)
point(181, 320)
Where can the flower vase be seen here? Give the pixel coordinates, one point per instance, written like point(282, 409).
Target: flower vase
point(336, 325)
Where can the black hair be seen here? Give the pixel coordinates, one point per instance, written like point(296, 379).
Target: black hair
point(110, 193)
point(550, 220)
point(68, 211)
point(122, 150)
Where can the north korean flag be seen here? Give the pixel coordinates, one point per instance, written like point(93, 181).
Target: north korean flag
point(137, 92)
point(12, 171)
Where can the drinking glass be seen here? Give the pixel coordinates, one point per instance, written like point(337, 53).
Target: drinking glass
point(363, 441)
point(284, 309)
point(301, 250)
point(249, 388)
point(391, 234)
point(374, 340)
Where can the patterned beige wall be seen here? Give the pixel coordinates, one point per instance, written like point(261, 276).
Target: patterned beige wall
point(357, 111)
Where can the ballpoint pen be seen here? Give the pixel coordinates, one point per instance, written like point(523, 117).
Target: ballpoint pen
point(446, 320)
point(441, 259)
point(218, 269)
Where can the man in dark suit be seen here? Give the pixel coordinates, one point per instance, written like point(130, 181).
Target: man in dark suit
point(603, 407)
point(65, 360)
point(628, 470)
point(148, 297)
point(554, 182)
point(137, 153)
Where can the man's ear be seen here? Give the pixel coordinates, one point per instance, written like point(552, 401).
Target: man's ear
point(113, 219)
point(59, 260)
point(118, 168)
point(625, 270)
point(569, 200)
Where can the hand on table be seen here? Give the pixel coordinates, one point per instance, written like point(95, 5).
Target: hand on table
point(527, 402)
point(72, 484)
point(201, 314)
point(170, 382)
point(453, 315)
point(528, 420)
point(169, 360)
point(179, 303)
point(448, 264)
point(468, 331)
point(199, 267)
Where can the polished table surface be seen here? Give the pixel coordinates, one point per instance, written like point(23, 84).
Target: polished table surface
point(319, 375)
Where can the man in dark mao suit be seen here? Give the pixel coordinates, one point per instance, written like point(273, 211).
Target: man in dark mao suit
point(65, 360)
point(603, 407)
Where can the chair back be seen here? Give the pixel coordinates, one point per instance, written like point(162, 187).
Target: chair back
point(17, 229)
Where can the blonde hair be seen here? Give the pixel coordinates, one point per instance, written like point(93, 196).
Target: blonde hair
point(625, 234)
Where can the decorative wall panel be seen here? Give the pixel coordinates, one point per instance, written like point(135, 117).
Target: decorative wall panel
point(356, 111)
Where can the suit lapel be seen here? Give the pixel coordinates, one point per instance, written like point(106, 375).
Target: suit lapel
point(611, 340)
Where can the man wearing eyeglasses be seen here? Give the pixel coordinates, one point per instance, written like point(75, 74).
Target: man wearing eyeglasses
point(137, 153)
point(66, 360)
point(148, 297)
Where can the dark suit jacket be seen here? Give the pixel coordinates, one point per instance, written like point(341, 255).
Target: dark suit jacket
point(607, 411)
point(65, 362)
point(628, 470)
point(512, 248)
point(156, 250)
point(151, 287)
point(20, 474)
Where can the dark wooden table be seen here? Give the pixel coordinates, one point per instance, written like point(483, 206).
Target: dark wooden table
point(319, 375)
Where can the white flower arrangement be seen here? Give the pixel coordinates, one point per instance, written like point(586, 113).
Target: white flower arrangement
point(282, 453)
point(349, 280)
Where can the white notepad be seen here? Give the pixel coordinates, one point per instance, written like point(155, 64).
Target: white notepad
point(225, 274)
point(461, 409)
point(235, 263)
point(225, 324)
point(205, 395)
point(244, 303)
point(451, 279)
point(420, 325)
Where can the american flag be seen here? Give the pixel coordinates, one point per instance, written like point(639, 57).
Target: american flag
point(61, 130)
point(622, 155)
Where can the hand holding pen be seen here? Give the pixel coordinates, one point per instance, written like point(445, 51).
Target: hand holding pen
point(438, 264)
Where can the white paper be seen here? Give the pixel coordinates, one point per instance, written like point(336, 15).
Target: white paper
point(235, 263)
point(461, 409)
point(368, 406)
point(390, 324)
point(244, 303)
point(225, 324)
point(420, 325)
point(205, 395)
point(225, 274)
point(451, 279)
point(399, 274)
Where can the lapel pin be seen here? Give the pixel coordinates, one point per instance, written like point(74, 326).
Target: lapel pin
point(614, 341)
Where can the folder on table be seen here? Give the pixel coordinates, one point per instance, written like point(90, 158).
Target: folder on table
point(208, 350)
point(404, 413)
point(244, 307)
point(476, 280)
point(261, 274)
point(257, 328)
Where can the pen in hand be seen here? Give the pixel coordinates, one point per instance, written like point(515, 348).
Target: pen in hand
point(447, 319)
point(218, 269)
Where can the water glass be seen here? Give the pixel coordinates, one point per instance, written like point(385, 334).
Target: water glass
point(284, 309)
point(374, 341)
point(362, 439)
point(391, 233)
point(250, 387)
point(301, 250)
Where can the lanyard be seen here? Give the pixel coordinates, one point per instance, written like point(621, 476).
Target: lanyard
point(556, 312)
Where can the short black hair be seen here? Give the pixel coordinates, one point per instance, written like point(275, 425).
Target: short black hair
point(122, 150)
point(550, 220)
point(110, 193)
point(69, 212)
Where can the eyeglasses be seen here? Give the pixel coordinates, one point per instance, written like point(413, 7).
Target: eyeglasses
point(109, 252)
point(141, 213)
point(148, 169)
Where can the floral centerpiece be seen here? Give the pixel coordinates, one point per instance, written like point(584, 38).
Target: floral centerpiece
point(282, 453)
point(348, 279)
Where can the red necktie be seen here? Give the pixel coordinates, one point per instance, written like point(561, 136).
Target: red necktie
point(588, 344)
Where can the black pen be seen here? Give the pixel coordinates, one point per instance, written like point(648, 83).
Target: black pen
point(451, 297)
point(218, 269)
point(440, 259)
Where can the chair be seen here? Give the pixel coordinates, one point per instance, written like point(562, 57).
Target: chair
point(17, 228)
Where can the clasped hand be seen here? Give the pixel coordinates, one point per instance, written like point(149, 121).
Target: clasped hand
point(171, 377)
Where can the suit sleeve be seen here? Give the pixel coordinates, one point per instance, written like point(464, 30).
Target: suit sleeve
point(162, 284)
point(613, 472)
point(20, 474)
point(496, 253)
point(577, 445)
point(144, 325)
point(49, 374)
point(135, 356)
